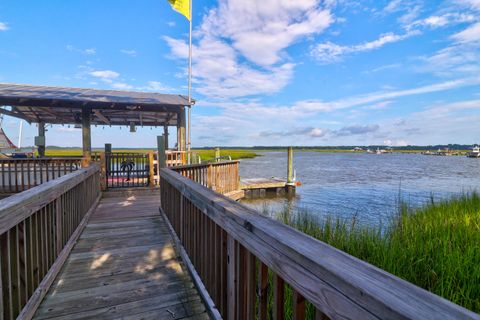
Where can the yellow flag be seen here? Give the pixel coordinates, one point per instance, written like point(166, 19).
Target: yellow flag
point(181, 6)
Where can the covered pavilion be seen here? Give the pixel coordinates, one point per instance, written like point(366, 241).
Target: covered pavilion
point(83, 107)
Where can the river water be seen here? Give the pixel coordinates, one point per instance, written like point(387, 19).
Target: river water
point(365, 186)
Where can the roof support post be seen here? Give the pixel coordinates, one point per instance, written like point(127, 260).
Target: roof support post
point(165, 134)
point(86, 136)
point(181, 130)
point(41, 140)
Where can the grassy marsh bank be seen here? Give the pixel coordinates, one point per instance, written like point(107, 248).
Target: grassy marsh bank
point(436, 247)
point(205, 154)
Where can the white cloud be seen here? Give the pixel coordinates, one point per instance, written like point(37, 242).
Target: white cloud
point(437, 21)
point(88, 51)
point(261, 30)
point(472, 4)
point(396, 143)
point(121, 86)
point(329, 52)
point(4, 26)
point(105, 74)
point(470, 34)
point(241, 45)
point(379, 105)
point(392, 6)
point(218, 73)
point(129, 52)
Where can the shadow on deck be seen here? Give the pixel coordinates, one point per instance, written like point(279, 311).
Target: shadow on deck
point(124, 266)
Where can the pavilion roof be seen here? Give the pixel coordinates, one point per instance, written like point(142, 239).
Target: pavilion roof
point(61, 105)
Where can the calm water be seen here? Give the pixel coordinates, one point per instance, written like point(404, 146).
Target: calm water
point(367, 186)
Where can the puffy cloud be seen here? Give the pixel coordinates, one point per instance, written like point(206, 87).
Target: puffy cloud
point(105, 74)
point(241, 45)
point(4, 26)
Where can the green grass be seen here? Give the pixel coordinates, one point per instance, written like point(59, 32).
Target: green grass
point(436, 247)
point(204, 154)
point(235, 154)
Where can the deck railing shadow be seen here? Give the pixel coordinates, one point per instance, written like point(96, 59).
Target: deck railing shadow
point(233, 253)
point(38, 228)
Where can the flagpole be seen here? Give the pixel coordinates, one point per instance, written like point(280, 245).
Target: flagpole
point(189, 144)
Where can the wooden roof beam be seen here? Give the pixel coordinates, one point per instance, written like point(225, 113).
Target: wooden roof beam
point(15, 115)
point(100, 116)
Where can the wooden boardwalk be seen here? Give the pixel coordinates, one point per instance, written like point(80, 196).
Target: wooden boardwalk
point(123, 266)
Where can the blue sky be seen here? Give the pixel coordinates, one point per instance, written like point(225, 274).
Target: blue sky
point(272, 72)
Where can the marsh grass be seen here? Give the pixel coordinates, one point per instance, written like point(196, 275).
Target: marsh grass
point(436, 247)
point(205, 155)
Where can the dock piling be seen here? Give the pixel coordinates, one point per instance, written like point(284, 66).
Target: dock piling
point(290, 186)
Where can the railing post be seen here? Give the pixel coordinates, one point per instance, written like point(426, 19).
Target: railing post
point(231, 278)
point(217, 153)
point(103, 171)
point(40, 140)
point(210, 177)
point(59, 224)
point(151, 173)
point(162, 163)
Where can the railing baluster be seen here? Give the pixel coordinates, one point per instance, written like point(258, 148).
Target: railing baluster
point(278, 297)
point(262, 291)
point(298, 306)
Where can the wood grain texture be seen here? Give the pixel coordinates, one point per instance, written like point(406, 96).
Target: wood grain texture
point(124, 265)
point(38, 232)
point(337, 284)
point(20, 206)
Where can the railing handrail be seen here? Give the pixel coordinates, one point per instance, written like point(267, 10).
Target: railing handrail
point(340, 285)
point(41, 159)
point(20, 206)
point(203, 165)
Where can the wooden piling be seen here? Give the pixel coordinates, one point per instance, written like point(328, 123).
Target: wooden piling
point(290, 187)
point(217, 153)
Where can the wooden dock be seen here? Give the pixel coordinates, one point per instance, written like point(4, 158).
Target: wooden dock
point(123, 266)
point(259, 187)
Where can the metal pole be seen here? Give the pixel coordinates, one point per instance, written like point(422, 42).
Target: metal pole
point(190, 85)
point(20, 135)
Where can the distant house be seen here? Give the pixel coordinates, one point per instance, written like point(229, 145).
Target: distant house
point(357, 149)
point(5, 142)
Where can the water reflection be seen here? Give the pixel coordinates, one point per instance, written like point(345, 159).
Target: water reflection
point(366, 185)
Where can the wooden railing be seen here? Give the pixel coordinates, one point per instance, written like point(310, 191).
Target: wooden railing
point(128, 169)
point(222, 177)
point(175, 158)
point(246, 265)
point(17, 175)
point(38, 228)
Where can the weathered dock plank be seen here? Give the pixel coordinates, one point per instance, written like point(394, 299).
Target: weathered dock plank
point(124, 265)
point(262, 183)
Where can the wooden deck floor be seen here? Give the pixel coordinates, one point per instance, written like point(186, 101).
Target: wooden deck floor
point(123, 266)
